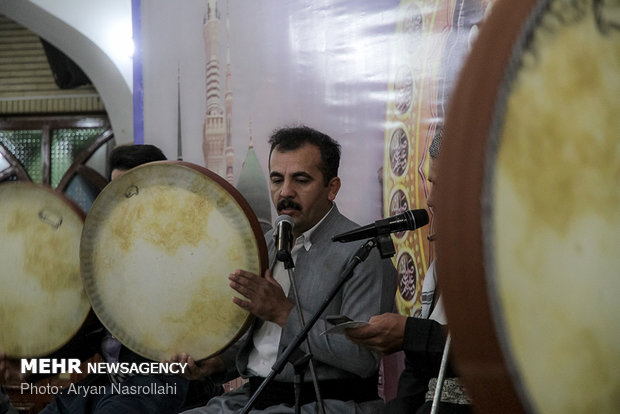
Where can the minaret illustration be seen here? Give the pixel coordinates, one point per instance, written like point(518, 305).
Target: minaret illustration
point(218, 152)
point(217, 147)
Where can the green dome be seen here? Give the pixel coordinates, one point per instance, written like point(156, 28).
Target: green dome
point(252, 184)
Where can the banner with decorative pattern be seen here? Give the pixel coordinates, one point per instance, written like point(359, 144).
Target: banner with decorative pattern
point(430, 43)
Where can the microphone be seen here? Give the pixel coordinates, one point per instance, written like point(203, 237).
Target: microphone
point(283, 236)
point(409, 220)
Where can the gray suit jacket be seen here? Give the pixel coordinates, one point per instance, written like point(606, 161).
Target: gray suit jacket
point(370, 291)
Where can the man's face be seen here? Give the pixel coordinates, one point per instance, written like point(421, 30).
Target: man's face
point(430, 199)
point(432, 183)
point(297, 186)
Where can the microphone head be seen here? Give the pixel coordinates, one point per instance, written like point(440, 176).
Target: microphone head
point(283, 237)
point(416, 218)
point(284, 218)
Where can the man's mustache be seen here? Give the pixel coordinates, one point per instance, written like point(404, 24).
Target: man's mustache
point(288, 205)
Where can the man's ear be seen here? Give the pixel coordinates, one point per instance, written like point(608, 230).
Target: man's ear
point(334, 187)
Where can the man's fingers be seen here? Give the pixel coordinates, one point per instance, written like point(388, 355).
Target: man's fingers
point(241, 289)
point(244, 285)
point(243, 304)
point(361, 333)
point(242, 275)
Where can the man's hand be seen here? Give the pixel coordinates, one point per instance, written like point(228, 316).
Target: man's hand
point(266, 299)
point(197, 370)
point(384, 333)
point(10, 370)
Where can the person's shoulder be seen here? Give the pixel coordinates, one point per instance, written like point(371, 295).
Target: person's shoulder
point(339, 222)
point(344, 225)
point(334, 223)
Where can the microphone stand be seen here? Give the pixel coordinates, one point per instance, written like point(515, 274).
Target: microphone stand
point(301, 364)
point(441, 376)
point(361, 255)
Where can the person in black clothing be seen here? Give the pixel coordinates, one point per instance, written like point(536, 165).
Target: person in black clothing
point(422, 339)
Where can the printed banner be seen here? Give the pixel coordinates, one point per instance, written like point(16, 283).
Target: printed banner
point(430, 42)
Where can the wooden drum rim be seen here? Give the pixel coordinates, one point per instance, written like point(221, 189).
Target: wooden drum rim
point(527, 207)
point(476, 346)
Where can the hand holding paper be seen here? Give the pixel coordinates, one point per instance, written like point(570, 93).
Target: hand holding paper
point(383, 333)
point(341, 323)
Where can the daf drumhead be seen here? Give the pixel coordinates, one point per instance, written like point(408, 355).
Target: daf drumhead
point(157, 248)
point(529, 209)
point(42, 301)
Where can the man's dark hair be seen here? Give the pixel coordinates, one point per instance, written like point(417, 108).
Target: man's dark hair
point(292, 138)
point(126, 157)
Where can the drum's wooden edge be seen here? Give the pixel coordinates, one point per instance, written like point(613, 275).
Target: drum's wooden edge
point(45, 351)
point(476, 348)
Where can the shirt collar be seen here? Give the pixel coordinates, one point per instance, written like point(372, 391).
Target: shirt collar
point(305, 238)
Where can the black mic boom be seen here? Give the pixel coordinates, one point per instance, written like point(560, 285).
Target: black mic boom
point(283, 236)
point(409, 220)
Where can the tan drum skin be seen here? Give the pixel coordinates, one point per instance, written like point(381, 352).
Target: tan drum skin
point(42, 300)
point(528, 210)
point(157, 248)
